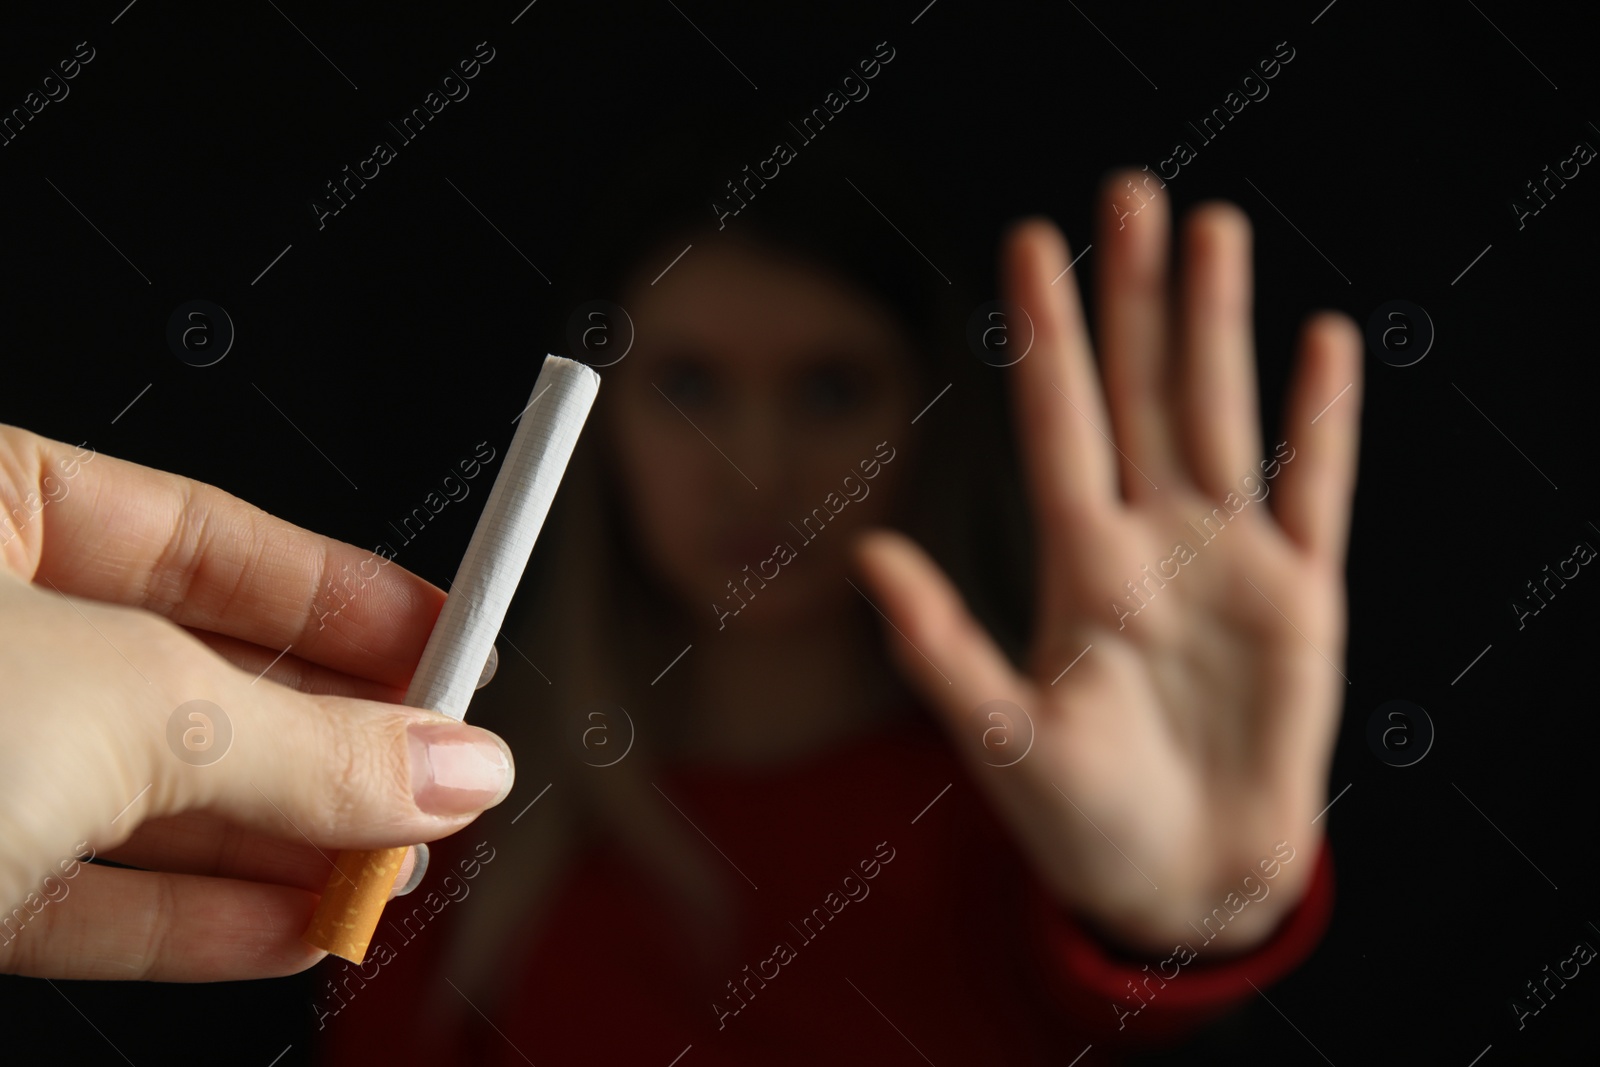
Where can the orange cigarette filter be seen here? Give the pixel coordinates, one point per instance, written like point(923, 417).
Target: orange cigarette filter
point(353, 901)
point(473, 613)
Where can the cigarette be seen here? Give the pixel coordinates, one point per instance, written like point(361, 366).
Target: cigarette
point(473, 613)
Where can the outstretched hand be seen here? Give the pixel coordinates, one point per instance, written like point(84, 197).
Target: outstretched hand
point(1183, 685)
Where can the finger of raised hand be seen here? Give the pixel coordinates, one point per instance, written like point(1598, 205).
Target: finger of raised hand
point(1217, 371)
point(950, 659)
point(1135, 330)
point(1322, 426)
point(1060, 410)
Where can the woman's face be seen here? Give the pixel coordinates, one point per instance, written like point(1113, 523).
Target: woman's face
point(751, 424)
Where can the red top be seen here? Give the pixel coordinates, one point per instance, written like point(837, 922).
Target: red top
point(869, 926)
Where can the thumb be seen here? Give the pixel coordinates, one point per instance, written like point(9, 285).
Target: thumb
point(946, 655)
point(341, 772)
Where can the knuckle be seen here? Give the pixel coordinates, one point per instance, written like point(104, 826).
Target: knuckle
point(347, 762)
point(366, 762)
point(162, 920)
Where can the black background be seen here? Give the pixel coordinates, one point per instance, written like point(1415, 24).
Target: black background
point(409, 329)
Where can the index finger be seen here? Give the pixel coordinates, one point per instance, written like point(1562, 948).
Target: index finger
point(1056, 389)
point(96, 526)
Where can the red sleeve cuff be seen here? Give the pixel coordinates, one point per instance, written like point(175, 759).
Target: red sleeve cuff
point(1091, 980)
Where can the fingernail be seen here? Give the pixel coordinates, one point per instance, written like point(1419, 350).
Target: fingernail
point(489, 667)
point(418, 869)
point(457, 769)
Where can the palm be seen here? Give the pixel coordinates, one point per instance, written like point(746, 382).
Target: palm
point(1176, 738)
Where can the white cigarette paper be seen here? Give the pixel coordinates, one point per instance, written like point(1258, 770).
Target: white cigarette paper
point(519, 500)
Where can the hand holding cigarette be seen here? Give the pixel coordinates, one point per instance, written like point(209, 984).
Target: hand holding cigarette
point(173, 704)
point(146, 623)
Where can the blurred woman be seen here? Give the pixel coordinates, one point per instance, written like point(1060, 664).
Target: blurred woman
point(828, 744)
